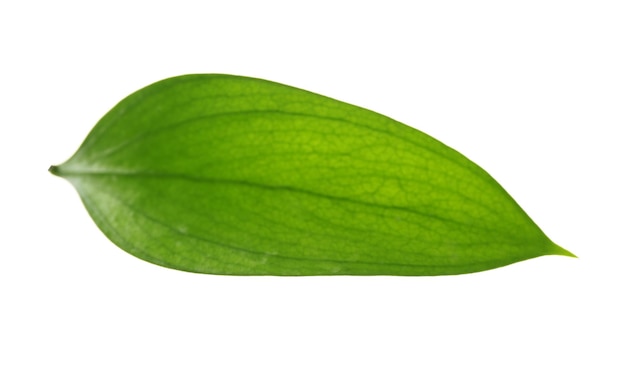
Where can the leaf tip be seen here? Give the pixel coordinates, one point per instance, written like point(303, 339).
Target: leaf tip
point(558, 250)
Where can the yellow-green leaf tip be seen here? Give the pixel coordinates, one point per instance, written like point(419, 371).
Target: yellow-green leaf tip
point(560, 251)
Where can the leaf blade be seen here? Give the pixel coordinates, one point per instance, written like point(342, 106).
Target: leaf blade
point(232, 175)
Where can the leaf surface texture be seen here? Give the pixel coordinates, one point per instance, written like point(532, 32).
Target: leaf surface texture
point(232, 175)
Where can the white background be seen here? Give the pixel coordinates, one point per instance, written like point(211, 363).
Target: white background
point(533, 91)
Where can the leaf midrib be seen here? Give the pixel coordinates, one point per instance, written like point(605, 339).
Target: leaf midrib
point(70, 174)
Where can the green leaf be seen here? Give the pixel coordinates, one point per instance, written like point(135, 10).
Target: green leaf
point(232, 175)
